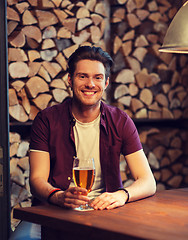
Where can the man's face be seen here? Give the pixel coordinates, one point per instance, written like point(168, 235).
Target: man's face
point(88, 82)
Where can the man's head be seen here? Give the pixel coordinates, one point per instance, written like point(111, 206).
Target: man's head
point(90, 53)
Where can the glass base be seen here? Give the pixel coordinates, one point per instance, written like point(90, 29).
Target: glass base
point(83, 208)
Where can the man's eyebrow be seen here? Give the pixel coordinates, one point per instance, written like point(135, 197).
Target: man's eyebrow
point(81, 73)
point(99, 74)
point(86, 74)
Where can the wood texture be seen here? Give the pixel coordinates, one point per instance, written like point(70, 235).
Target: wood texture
point(159, 217)
point(41, 41)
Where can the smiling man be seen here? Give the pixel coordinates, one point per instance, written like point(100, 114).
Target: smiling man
point(84, 126)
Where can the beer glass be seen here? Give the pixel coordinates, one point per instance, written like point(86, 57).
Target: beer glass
point(83, 176)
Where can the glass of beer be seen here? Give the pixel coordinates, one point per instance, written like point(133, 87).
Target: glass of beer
point(83, 176)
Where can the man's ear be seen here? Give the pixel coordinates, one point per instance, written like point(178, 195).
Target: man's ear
point(107, 83)
point(69, 80)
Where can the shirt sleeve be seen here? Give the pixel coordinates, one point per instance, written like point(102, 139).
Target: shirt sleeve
point(131, 139)
point(39, 137)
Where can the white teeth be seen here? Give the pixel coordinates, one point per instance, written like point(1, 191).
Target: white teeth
point(88, 93)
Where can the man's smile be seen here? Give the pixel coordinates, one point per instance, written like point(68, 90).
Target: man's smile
point(89, 93)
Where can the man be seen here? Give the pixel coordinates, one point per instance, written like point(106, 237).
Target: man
point(85, 126)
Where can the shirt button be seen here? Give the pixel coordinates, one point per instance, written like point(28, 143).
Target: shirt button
point(69, 178)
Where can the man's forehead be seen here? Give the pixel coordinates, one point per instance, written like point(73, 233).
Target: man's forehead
point(87, 65)
point(92, 61)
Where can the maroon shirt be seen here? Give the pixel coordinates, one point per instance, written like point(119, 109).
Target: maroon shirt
point(52, 131)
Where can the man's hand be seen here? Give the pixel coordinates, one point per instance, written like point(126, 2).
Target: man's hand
point(71, 198)
point(109, 200)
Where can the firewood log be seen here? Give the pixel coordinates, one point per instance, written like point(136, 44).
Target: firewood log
point(125, 76)
point(17, 85)
point(59, 94)
point(11, 25)
point(42, 100)
point(52, 68)
point(44, 74)
point(136, 104)
point(33, 55)
point(22, 7)
point(120, 91)
point(95, 34)
point(12, 14)
point(28, 18)
point(70, 24)
point(17, 39)
point(33, 112)
point(34, 68)
point(63, 32)
point(60, 14)
point(18, 70)
point(33, 32)
point(58, 83)
point(17, 112)
point(146, 96)
point(36, 85)
point(17, 55)
point(49, 32)
point(81, 37)
point(25, 100)
point(82, 13)
point(45, 18)
point(13, 100)
point(96, 18)
point(83, 23)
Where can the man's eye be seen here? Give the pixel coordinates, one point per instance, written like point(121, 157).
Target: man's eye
point(82, 76)
point(99, 78)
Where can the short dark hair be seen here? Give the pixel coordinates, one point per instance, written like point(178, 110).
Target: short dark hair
point(90, 53)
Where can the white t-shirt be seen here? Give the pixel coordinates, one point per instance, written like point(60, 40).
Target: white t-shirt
point(87, 146)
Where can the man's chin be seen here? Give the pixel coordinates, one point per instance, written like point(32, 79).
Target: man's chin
point(87, 100)
point(90, 102)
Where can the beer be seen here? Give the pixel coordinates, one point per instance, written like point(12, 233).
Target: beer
point(84, 177)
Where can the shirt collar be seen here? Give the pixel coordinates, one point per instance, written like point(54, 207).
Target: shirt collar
point(71, 117)
point(103, 116)
point(102, 109)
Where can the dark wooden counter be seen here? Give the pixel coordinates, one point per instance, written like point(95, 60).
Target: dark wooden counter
point(163, 216)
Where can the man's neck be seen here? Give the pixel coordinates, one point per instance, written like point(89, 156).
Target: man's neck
point(85, 114)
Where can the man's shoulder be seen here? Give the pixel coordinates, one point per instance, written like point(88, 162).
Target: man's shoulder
point(55, 111)
point(113, 110)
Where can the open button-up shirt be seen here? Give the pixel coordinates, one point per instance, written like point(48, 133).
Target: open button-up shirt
point(52, 131)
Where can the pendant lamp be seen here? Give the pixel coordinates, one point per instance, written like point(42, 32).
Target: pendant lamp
point(176, 38)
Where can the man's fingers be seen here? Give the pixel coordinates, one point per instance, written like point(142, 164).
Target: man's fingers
point(108, 201)
point(74, 197)
point(78, 190)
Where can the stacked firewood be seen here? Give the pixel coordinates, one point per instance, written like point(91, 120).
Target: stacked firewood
point(41, 36)
point(166, 150)
point(147, 83)
point(19, 173)
point(167, 153)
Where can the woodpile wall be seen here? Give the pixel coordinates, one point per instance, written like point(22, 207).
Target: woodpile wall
point(147, 83)
point(150, 86)
point(166, 150)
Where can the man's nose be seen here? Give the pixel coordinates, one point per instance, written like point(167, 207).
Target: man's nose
point(90, 82)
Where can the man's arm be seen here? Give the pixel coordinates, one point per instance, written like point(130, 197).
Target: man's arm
point(143, 186)
point(41, 188)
